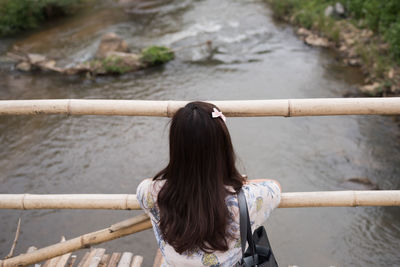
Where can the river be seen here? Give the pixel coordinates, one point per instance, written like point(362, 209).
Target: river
point(254, 58)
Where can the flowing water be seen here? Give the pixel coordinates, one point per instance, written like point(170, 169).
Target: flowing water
point(253, 58)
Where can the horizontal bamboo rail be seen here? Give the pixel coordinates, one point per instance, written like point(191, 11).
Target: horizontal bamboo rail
point(340, 199)
point(69, 201)
point(129, 202)
point(236, 108)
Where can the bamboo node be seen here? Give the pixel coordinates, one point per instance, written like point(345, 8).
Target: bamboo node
point(82, 241)
point(355, 199)
point(69, 107)
point(289, 108)
point(126, 202)
point(169, 109)
point(23, 202)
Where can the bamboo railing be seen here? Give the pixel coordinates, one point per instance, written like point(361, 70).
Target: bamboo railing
point(129, 201)
point(237, 108)
point(142, 222)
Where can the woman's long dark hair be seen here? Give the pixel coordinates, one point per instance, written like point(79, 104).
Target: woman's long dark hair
point(193, 212)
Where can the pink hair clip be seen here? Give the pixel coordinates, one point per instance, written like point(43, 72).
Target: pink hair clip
point(216, 113)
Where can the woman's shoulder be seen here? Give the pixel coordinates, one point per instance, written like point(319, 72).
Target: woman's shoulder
point(262, 197)
point(267, 185)
point(150, 184)
point(147, 192)
point(262, 191)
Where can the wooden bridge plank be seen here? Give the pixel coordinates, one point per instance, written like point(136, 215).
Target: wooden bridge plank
point(63, 260)
point(91, 257)
point(125, 259)
point(158, 259)
point(114, 259)
point(80, 264)
point(71, 261)
point(95, 260)
point(104, 260)
point(137, 261)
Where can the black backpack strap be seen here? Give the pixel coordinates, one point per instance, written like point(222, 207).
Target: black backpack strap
point(243, 219)
point(245, 226)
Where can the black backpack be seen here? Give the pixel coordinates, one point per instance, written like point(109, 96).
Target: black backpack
point(259, 252)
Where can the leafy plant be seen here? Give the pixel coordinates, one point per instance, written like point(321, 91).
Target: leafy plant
point(113, 64)
point(393, 37)
point(382, 17)
point(156, 55)
point(19, 15)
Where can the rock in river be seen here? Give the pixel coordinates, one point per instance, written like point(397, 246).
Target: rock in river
point(314, 40)
point(111, 42)
point(371, 89)
point(36, 58)
point(24, 66)
point(111, 58)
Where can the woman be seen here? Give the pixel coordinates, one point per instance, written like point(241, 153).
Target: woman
point(192, 202)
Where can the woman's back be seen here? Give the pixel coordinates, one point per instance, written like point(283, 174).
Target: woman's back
point(192, 201)
point(262, 197)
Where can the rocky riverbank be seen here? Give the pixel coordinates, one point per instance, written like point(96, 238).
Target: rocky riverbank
point(356, 46)
point(113, 56)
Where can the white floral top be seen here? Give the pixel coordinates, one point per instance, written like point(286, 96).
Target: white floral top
point(261, 199)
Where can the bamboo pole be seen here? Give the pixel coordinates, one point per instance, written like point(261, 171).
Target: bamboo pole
point(236, 108)
point(69, 201)
point(54, 261)
point(74, 244)
point(128, 222)
point(9, 255)
point(340, 199)
point(129, 202)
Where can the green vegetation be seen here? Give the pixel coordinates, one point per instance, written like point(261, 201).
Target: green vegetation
point(156, 55)
point(120, 64)
point(19, 15)
point(108, 65)
point(382, 17)
point(113, 64)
